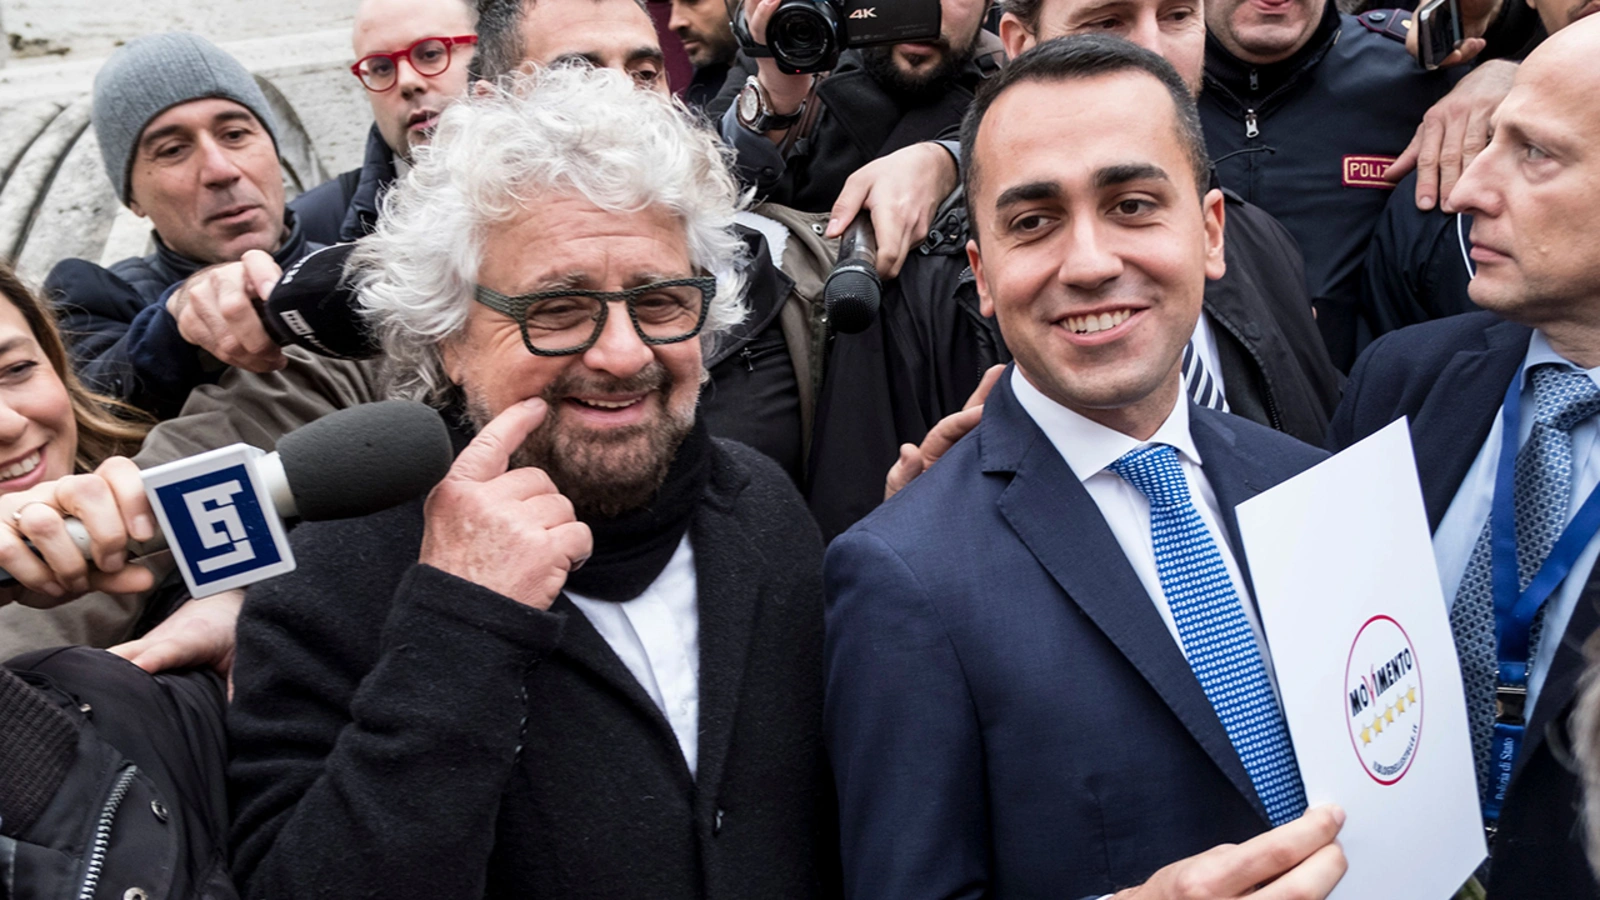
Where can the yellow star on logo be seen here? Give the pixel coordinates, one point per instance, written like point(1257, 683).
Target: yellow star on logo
point(1377, 725)
point(1400, 705)
point(1411, 694)
point(1388, 714)
point(1366, 735)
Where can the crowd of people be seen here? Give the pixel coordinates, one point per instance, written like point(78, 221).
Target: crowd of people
point(718, 600)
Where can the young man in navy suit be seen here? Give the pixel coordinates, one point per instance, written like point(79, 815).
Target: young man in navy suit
point(1046, 676)
point(1502, 407)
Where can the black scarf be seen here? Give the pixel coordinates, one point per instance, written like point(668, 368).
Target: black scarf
point(630, 550)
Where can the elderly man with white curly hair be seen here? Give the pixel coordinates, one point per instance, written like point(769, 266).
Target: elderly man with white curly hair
point(590, 664)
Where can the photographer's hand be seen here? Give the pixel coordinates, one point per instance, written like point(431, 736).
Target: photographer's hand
point(784, 92)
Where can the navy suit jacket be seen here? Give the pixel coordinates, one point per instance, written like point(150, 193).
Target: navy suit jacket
point(1450, 377)
point(1006, 712)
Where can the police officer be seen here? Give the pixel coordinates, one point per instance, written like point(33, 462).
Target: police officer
point(1304, 110)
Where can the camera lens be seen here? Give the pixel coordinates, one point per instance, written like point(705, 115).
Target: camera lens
point(803, 35)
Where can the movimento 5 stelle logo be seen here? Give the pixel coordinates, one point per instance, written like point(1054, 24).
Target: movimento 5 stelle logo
point(1383, 699)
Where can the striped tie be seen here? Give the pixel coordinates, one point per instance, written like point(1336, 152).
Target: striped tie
point(1203, 389)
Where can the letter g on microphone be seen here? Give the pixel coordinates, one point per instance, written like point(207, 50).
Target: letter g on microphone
point(220, 520)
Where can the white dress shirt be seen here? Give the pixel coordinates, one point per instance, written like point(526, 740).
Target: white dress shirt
point(1089, 447)
point(657, 636)
point(1462, 523)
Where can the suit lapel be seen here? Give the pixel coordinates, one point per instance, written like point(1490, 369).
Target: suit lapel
point(1568, 664)
point(1062, 527)
point(585, 648)
point(1454, 420)
point(1235, 476)
point(729, 597)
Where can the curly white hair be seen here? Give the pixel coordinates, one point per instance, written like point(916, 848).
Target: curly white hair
point(563, 130)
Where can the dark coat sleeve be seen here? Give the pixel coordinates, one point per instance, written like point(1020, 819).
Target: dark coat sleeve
point(741, 70)
point(355, 688)
point(917, 362)
point(1416, 270)
point(322, 209)
point(122, 340)
point(1342, 428)
point(902, 733)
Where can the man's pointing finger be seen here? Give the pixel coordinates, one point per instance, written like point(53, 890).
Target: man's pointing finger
point(490, 452)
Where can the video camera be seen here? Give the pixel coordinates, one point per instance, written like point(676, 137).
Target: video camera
point(807, 36)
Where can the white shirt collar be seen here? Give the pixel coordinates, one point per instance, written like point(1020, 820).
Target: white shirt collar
point(1540, 352)
point(1086, 445)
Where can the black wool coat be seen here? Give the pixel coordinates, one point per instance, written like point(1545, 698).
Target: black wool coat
point(400, 732)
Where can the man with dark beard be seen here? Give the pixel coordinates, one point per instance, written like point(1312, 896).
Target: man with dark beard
point(799, 137)
point(707, 36)
point(590, 664)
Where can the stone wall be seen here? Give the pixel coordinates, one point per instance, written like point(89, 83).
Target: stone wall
point(91, 29)
point(55, 200)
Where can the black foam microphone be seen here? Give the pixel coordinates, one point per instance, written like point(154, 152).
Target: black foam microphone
point(314, 306)
point(853, 292)
point(349, 463)
point(364, 459)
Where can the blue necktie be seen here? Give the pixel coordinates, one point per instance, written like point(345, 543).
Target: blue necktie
point(1541, 494)
point(1215, 634)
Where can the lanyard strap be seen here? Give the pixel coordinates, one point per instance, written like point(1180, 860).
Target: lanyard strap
point(1515, 609)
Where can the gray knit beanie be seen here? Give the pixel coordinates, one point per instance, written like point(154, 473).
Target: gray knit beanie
point(154, 73)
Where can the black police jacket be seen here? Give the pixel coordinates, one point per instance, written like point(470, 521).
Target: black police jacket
point(1307, 140)
point(1417, 267)
point(123, 342)
point(930, 345)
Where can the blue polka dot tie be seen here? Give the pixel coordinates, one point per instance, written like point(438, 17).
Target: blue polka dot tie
point(1215, 634)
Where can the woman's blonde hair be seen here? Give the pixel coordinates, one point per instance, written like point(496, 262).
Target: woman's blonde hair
point(106, 427)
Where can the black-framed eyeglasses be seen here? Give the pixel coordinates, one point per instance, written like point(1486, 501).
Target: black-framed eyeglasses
point(429, 56)
point(568, 321)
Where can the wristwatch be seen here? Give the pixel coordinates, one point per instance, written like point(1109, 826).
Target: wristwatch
point(755, 110)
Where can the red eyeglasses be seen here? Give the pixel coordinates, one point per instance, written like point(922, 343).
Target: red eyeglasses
point(429, 56)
